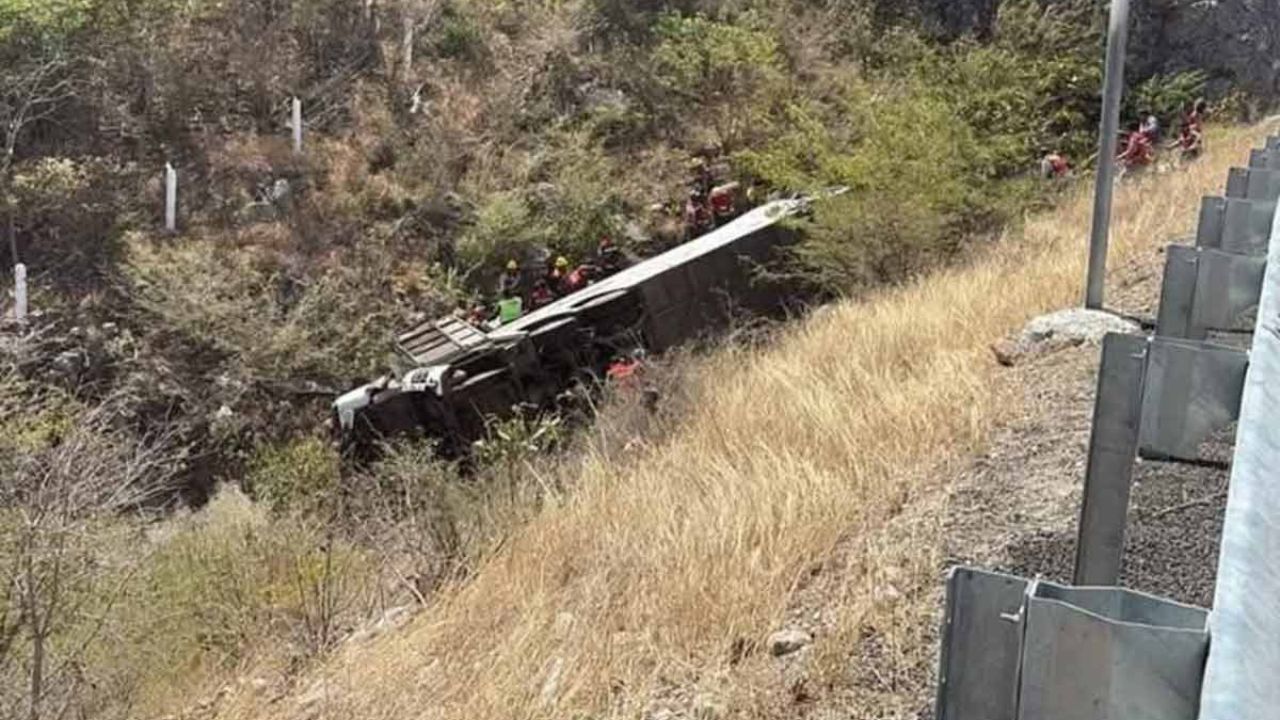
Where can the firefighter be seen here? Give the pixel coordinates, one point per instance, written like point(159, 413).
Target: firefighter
point(512, 281)
point(557, 273)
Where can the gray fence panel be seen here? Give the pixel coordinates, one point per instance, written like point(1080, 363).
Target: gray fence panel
point(1242, 678)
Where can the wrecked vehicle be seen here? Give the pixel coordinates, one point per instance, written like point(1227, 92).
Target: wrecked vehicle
point(463, 376)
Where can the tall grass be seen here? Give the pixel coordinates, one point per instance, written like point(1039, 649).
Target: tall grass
point(660, 566)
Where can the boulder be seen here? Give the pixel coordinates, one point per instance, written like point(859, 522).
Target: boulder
point(1065, 328)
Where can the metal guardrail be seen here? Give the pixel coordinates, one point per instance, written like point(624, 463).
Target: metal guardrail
point(1242, 678)
point(1018, 649)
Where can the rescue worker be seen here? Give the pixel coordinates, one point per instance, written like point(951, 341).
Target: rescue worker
point(697, 214)
point(1190, 142)
point(510, 308)
point(1151, 127)
point(541, 295)
point(623, 370)
point(721, 201)
point(1054, 166)
point(559, 276)
point(703, 180)
point(512, 281)
point(609, 257)
point(1139, 151)
point(477, 316)
point(1195, 117)
point(578, 279)
point(626, 372)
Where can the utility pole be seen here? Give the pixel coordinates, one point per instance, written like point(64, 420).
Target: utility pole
point(1112, 93)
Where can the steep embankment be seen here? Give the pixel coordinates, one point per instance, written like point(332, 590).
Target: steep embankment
point(812, 474)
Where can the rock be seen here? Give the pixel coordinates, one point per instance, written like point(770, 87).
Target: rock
point(1006, 351)
point(786, 642)
point(1076, 325)
point(224, 412)
point(1065, 328)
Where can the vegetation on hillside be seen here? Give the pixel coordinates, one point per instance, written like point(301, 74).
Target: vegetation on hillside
point(442, 138)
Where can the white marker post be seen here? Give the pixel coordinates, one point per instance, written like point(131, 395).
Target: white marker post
point(297, 125)
point(20, 292)
point(170, 198)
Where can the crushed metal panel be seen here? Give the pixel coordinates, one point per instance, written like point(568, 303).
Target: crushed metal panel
point(1110, 654)
point(1177, 291)
point(440, 341)
point(1191, 390)
point(1228, 288)
point(981, 646)
point(1113, 445)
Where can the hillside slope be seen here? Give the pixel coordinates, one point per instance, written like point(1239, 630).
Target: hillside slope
point(652, 585)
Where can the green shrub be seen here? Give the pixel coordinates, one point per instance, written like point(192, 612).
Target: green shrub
point(297, 474)
point(211, 590)
point(1168, 96)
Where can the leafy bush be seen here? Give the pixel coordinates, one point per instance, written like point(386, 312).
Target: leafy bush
point(218, 586)
point(1168, 96)
point(731, 73)
point(297, 474)
point(67, 214)
point(269, 322)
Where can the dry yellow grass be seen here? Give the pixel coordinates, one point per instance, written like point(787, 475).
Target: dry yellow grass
point(642, 580)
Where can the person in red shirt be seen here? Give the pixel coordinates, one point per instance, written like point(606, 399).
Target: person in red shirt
point(721, 201)
point(1195, 118)
point(541, 295)
point(1054, 166)
point(1139, 152)
point(698, 218)
point(623, 371)
point(1191, 137)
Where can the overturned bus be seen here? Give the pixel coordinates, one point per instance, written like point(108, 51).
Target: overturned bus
point(462, 376)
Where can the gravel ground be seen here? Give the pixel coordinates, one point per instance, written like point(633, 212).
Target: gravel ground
point(1015, 509)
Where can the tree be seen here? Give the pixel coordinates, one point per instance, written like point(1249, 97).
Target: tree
point(68, 485)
